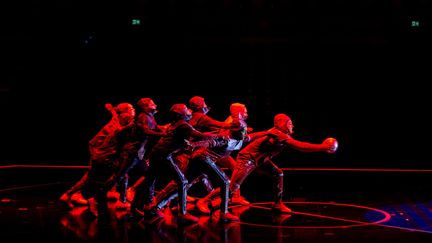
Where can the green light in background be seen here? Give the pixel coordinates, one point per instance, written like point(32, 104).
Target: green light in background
point(136, 21)
point(415, 23)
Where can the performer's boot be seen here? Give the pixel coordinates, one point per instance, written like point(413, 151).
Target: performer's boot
point(113, 194)
point(144, 197)
point(183, 216)
point(203, 203)
point(65, 197)
point(237, 199)
point(78, 198)
point(278, 206)
point(227, 217)
point(130, 192)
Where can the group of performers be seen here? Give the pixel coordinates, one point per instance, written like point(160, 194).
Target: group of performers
point(191, 149)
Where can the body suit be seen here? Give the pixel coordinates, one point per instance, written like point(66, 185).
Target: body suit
point(118, 145)
point(259, 153)
point(94, 144)
point(148, 133)
point(208, 155)
point(162, 162)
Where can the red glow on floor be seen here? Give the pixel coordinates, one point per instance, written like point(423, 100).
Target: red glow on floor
point(354, 223)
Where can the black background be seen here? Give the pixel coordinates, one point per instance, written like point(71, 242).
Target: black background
point(355, 71)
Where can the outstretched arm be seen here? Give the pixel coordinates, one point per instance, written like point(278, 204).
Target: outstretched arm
point(255, 135)
point(303, 146)
point(212, 123)
point(210, 143)
point(201, 136)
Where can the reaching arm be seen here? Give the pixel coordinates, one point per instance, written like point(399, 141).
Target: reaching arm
point(255, 135)
point(201, 136)
point(212, 123)
point(210, 143)
point(305, 146)
point(299, 145)
point(145, 124)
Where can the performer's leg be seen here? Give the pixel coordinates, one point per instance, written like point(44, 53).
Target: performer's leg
point(144, 193)
point(236, 199)
point(74, 195)
point(225, 216)
point(277, 175)
point(182, 184)
point(245, 166)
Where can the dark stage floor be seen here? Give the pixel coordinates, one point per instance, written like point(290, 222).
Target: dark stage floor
point(328, 206)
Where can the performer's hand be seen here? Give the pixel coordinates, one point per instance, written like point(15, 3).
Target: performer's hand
point(113, 112)
point(332, 145)
point(249, 129)
point(108, 106)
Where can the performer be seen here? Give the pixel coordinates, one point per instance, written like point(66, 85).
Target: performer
point(212, 153)
point(205, 124)
point(200, 120)
point(237, 111)
point(209, 153)
point(73, 194)
point(149, 134)
point(163, 164)
point(259, 153)
point(106, 157)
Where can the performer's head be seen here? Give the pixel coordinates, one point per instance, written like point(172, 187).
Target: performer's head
point(238, 129)
point(180, 112)
point(126, 113)
point(147, 105)
point(283, 123)
point(238, 110)
point(197, 104)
